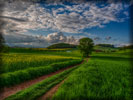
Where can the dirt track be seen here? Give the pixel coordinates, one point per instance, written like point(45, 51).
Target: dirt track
point(12, 90)
point(53, 90)
point(50, 93)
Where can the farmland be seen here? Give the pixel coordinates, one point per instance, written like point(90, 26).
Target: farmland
point(66, 50)
point(102, 76)
point(19, 67)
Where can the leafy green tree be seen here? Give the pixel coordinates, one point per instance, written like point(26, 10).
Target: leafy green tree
point(86, 46)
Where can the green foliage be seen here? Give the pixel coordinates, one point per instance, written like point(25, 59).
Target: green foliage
point(105, 77)
point(14, 62)
point(100, 79)
point(62, 45)
point(16, 77)
point(35, 91)
point(86, 46)
point(23, 64)
point(105, 45)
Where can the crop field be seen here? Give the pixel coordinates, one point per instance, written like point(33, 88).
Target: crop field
point(18, 61)
point(19, 67)
point(103, 76)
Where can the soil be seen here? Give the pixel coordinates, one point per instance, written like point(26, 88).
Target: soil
point(50, 93)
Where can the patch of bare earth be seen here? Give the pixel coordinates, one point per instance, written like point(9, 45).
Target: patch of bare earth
point(7, 91)
point(50, 93)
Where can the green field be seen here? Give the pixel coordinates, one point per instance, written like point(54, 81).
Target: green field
point(20, 67)
point(104, 76)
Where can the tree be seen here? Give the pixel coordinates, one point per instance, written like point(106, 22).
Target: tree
point(86, 46)
point(1, 42)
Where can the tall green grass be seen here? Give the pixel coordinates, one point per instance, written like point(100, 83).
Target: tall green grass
point(99, 79)
point(16, 77)
point(37, 90)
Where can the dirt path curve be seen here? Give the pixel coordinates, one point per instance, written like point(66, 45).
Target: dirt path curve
point(53, 90)
point(12, 90)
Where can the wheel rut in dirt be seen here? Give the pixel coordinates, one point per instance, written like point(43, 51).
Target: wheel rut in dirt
point(14, 89)
point(53, 90)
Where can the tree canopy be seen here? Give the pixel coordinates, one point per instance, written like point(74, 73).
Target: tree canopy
point(86, 46)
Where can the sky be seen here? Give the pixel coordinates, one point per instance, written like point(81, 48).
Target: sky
point(28, 24)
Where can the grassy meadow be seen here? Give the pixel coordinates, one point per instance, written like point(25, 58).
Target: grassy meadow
point(104, 76)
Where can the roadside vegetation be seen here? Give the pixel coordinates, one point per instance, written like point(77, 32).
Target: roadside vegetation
point(37, 90)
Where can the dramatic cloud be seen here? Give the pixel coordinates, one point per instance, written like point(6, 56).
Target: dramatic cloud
point(56, 37)
point(71, 19)
point(39, 40)
point(20, 16)
point(25, 40)
point(59, 37)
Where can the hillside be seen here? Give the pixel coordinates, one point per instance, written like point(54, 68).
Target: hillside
point(62, 45)
point(105, 47)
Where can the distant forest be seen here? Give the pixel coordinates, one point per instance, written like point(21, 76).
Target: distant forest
point(105, 45)
point(62, 45)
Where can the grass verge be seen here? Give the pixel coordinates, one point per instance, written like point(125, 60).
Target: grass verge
point(37, 90)
point(13, 78)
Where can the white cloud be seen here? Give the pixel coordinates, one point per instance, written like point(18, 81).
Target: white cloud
point(33, 16)
point(20, 16)
point(59, 37)
point(56, 37)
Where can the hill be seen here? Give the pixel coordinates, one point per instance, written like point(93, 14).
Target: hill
point(62, 45)
point(104, 48)
point(105, 45)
